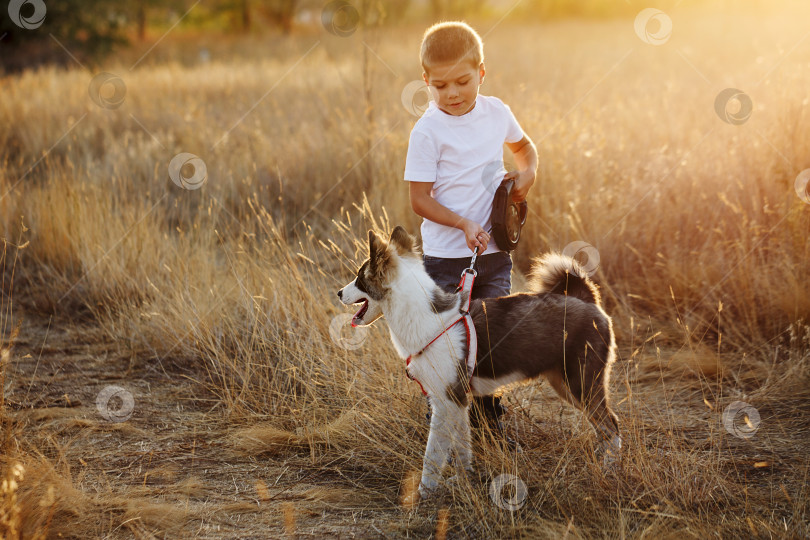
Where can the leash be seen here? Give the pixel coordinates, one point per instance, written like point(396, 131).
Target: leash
point(468, 276)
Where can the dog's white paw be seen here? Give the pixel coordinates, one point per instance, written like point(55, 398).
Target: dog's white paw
point(427, 492)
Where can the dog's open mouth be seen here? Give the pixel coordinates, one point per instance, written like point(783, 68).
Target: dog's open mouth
point(362, 311)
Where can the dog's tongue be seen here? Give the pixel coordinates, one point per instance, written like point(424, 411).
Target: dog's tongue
point(360, 313)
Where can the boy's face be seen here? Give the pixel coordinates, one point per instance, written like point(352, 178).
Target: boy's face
point(455, 85)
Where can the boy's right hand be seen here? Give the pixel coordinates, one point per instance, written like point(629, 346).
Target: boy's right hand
point(476, 236)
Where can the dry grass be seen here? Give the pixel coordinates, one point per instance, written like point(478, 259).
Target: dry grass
point(230, 289)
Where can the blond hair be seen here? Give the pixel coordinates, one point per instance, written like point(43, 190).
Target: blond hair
point(451, 42)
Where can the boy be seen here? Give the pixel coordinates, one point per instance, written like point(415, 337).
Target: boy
point(453, 150)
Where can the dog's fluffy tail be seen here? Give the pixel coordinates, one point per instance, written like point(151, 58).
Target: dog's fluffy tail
point(556, 273)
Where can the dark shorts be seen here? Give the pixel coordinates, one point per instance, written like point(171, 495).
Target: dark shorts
point(494, 273)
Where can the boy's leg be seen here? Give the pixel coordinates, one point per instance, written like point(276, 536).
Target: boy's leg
point(446, 272)
point(494, 276)
point(494, 273)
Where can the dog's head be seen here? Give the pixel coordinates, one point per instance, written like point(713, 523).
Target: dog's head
point(372, 284)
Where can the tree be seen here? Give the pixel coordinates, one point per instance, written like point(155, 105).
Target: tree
point(34, 32)
point(280, 12)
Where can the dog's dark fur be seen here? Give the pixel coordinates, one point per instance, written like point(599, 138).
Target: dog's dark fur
point(572, 348)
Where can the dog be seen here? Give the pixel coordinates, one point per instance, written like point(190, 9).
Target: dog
point(559, 331)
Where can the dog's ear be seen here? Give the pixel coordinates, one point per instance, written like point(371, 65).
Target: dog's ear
point(401, 240)
point(378, 255)
point(376, 246)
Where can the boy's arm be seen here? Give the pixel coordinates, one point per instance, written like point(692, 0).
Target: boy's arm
point(526, 160)
point(427, 207)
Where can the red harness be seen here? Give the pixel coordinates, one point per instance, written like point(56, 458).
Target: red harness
point(465, 286)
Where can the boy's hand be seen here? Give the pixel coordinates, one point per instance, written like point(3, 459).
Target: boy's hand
point(523, 181)
point(476, 236)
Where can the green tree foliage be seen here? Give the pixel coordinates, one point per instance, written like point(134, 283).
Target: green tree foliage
point(39, 31)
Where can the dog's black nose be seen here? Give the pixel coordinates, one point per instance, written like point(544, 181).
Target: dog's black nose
point(340, 294)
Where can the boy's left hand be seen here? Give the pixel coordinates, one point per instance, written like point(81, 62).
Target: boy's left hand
point(523, 181)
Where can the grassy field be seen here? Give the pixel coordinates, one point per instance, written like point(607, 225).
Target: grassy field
point(258, 413)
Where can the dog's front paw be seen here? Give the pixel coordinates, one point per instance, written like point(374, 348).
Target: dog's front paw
point(427, 492)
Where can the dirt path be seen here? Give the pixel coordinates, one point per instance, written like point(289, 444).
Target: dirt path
point(168, 470)
point(171, 470)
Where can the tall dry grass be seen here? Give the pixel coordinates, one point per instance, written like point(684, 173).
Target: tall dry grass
point(238, 278)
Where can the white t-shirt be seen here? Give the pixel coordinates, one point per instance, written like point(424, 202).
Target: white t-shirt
point(463, 157)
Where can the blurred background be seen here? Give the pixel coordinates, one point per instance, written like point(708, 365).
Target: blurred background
point(94, 30)
point(669, 141)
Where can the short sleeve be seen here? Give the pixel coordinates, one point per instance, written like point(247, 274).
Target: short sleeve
point(421, 163)
point(514, 132)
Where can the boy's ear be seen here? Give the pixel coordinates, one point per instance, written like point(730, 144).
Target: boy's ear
point(481, 72)
point(401, 240)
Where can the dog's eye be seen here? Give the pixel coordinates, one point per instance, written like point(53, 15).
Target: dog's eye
point(361, 284)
